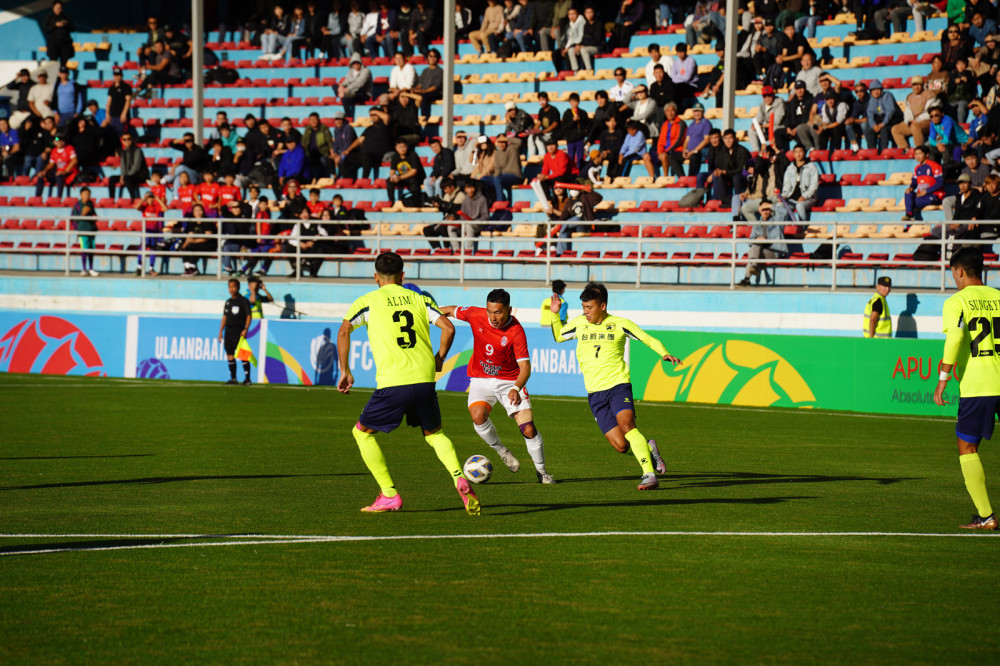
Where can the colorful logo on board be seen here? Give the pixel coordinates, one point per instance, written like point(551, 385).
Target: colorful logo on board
point(735, 372)
point(50, 346)
point(454, 373)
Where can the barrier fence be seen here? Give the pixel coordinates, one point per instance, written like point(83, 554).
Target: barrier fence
point(620, 248)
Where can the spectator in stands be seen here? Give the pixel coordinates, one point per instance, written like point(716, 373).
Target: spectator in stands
point(630, 13)
point(84, 220)
point(711, 153)
point(11, 157)
point(199, 236)
point(703, 25)
point(765, 179)
point(152, 206)
point(621, 92)
point(352, 41)
point(696, 139)
point(162, 70)
point(801, 108)
point(511, 10)
point(449, 203)
point(235, 223)
point(662, 89)
point(403, 77)
point(207, 194)
point(916, 118)
point(119, 103)
point(955, 46)
point(506, 169)
point(580, 207)
point(794, 45)
point(655, 58)
point(800, 184)
point(132, 169)
point(634, 148)
point(574, 128)
point(291, 202)
point(463, 21)
point(571, 42)
point(767, 52)
point(684, 75)
point(356, 86)
point(926, 187)
point(976, 172)
point(856, 124)
point(332, 37)
point(988, 213)
point(965, 205)
point(546, 126)
point(611, 140)
point(522, 29)
point(981, 26)
point(465, 153)
point(297, 36)
point(670, 144)
point(591, 42)
point(23, 85)
point(771, 120)
point(727, 180)
point(519, 123)
point(881, 116)
point(598, 122)
point(220, 159)
point(749, 41)
point(318, 143)
point(380, 23)
point(343, 164)
point(186, 192)
point(273, 39)
point(294, 162)
point(193, 159)
point(154, 33)
point(896, 12)
point(40, 97)
point(430, 82)
point(476, 210)
point(558, 25)
point(493, 23)
point(58, 27)
point(645, 111)
point(181, 46)
point(67, 98)
point(315, 26)
point(404, 118)
point(557, 166)
point(442, 166)
point(61, 170)
point(961, 89)
point(228, 190)
point(35, 144)
point(406, 175)
point(946, 135)
point(768, 243)
point(825, 129)
point(809, 74)
point(484, 160)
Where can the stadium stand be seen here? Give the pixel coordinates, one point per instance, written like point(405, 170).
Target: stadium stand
point(642, 232)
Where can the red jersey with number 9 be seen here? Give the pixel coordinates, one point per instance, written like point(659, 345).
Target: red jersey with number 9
point(495, 351)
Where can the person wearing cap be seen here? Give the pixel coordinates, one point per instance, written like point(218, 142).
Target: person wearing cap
point(771, 120)
point(61, 170)
point(768, 243)
point(799, 110)
point(656, 58)
point(40, 96)
point(881, 115)
point(877, 321)
point(449, 203)
point(519, 123)
point(317, 140)
point(441, 167)
point(356, 86)
point(696, 139)
point(22, 109)
point(916, 119)
point(294, 163)
point(58, 29)
point(68, 98)
point(119, 103)
point(926, 187)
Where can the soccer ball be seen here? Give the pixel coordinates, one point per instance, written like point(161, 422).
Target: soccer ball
point(478, 469)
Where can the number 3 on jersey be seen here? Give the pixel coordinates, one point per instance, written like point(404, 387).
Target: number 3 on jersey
point(986, 330)
point(409, 338)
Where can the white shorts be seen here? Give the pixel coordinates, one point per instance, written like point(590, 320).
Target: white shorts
point(492, 390)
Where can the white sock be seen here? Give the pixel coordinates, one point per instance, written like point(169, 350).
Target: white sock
point(489, 434)
point(536, 449)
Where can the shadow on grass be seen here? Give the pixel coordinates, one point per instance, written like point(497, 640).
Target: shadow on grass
point(175, 479)
point(652, 500)
point(125, 455)
point(727, 479)
point(95, 544)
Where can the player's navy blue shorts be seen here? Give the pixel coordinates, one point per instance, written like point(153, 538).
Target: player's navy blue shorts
point(605, 405)
point(387, 407)
point(976, 418)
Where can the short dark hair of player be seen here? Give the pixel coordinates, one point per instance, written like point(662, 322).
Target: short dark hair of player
point(558, 286)
point(253, 279)
point(389, 264)
point(970, 260)
point(499, 296)
point(594, 291)
point(234, 281)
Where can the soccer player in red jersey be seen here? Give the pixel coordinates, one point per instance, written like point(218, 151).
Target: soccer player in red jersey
point(499, 369)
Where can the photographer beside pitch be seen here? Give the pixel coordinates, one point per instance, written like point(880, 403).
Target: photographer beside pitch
point(969, 320)
point(600, 352)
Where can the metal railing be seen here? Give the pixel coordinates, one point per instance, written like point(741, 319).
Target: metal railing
point(634, 250)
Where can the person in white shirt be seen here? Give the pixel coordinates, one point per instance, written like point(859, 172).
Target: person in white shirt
point(656, 59)
point(40, 96)
point(621, 92)
point(403, 76)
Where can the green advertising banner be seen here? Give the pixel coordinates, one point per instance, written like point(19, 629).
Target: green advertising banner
point(894, 376)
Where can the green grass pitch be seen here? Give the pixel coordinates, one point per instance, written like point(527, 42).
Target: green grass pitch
point(82, 457)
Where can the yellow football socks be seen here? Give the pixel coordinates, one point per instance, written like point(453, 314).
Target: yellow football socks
point(975, 482)
point(445, 451)
point(640, 449)
point(372, 455)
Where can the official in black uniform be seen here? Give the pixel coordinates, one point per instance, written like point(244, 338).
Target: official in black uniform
point(235, 324)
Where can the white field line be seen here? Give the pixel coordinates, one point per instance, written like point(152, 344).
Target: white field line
point(260, 539)
point(138, 383)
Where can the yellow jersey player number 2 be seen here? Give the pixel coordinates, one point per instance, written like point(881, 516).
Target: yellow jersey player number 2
point(398, 322)
point(600, 352)
point(972, 328)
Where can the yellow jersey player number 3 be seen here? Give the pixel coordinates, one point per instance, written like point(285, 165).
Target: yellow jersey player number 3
point(600, 352)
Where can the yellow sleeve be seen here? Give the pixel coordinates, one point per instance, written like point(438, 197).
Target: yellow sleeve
point(954, 329)
point(636, 333)
point(568, 332)
point(358, 314)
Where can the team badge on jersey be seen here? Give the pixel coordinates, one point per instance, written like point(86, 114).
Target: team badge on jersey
point(503, 341)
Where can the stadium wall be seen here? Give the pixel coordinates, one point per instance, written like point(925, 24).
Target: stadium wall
point(894, 376)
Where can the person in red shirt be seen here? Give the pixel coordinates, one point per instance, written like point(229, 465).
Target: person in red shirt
point(185, 193)
point(61, 170)
point(158, 189)
point(556, 165)
point(315, 206)
point(152, 206)
point(207, 195)
point(499, 369)
point(228, 191)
